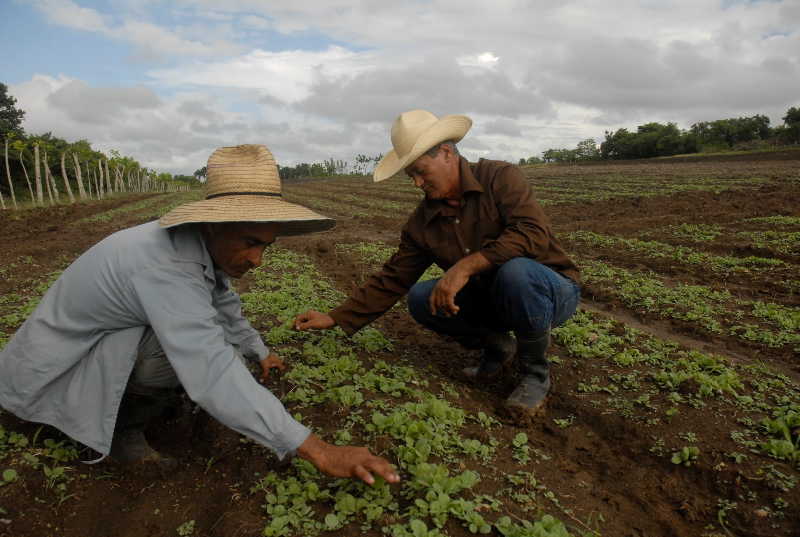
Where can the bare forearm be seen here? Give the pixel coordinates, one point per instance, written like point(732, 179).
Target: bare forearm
point(472, 264)
point(311, 449)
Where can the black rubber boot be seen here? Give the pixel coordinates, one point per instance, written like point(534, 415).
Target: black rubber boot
point(129, 445)
point(498, 352)
point(528, 398)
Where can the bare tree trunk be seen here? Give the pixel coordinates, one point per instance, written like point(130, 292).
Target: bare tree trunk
point(47, 185)
point(100, 186)
point(90, 180)
point(81, 190)
point(66, 179)
point(96, 182)
point(38, 175)
point(27, 179)
point(49, 176)
point(118, 178)
point(8, 175)
point(110, 188)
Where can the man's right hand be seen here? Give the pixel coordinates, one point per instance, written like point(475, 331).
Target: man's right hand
point(313, 320)
point(346, 461)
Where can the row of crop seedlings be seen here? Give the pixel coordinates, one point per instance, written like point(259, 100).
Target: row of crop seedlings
point(778, 271)
point(590, 190)
point(327, 206)
point(657, 383)
point(668, 389)
point(404, 191)
point(710, 311)
point(654, 181)
point(442, 450)
point(783, 241)
point(157, 205)
point(376, 206)
point(365, 195)
point(394, 185)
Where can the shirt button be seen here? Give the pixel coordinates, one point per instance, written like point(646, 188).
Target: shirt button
point(466, 250)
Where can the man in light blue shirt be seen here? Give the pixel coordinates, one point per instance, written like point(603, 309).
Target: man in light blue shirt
point(150, 308)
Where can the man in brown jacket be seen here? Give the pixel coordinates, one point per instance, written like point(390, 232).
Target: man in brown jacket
point(505, 270)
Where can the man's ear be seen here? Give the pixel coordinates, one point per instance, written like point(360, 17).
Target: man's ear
point(447, 149)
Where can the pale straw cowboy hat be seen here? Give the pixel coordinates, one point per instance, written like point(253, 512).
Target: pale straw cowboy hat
point(243, 185)
point(413, 133)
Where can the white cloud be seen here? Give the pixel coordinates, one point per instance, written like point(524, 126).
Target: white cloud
point(485, 60)
point(71, 15)
point(286, 76)
point(85, 104)
point(436, 84)
point(152, 42)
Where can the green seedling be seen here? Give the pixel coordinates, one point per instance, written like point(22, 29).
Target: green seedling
point(565, 422)
point(521, 448)
point(9, 476)
point(686, 456)
point(186, 529)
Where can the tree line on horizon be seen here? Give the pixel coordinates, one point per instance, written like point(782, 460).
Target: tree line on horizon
point(661, 140)
point(361, 165)
point(42, 168)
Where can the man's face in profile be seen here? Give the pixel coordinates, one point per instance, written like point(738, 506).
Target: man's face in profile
point(237, 247)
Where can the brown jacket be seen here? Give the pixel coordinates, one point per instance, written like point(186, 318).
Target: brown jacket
point(499, 217)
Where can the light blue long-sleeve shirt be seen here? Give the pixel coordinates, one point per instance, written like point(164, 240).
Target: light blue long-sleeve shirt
point(70, 361)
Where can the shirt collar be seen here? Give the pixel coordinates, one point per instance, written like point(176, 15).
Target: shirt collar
point(468, 185)
point(190, 246)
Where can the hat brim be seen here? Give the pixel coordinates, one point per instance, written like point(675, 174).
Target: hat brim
point(293, 219)
point(453, 127)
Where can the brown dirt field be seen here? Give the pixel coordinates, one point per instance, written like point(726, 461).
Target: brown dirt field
point(602, 464)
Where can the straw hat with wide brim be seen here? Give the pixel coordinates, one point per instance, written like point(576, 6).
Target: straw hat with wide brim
point(243, 185)
point(413, 133)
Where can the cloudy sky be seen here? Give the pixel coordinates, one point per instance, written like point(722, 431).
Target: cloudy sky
point(166, 82)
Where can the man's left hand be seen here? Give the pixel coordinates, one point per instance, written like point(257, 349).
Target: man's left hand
point(443, 296)
point(268, 363)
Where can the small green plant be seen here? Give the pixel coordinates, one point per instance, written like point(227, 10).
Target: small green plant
point(9, 476)
point(564, 422)
point(415, 528)
point(686, 456)
point(521, 448)
point(186, 529)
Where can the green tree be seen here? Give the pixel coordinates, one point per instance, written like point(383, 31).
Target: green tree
point(587, 150)
point(10, 115)
point(791, 122)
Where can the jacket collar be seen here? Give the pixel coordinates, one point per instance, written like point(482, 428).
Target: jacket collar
point(469, 184)
point(190, 246)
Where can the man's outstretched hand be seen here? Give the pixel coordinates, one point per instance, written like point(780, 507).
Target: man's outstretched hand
point(346, 461)
point(268, 363)
point(313, 320)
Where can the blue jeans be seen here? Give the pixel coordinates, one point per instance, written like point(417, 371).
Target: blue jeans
point(521, 295)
